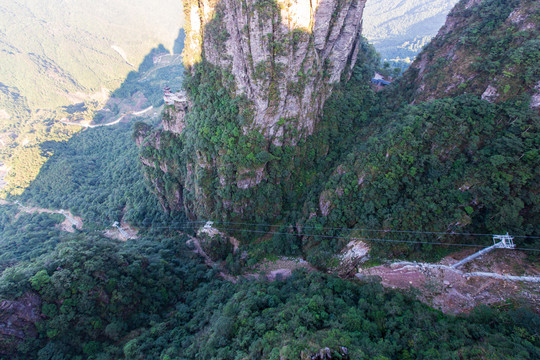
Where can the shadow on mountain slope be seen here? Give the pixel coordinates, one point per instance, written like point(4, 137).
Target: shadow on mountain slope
point(94, 173)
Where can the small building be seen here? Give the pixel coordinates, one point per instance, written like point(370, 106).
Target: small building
point(380, 82)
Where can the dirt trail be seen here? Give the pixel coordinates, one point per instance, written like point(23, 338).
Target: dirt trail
point(136, 113)
point(68, 224)
point(282, 268)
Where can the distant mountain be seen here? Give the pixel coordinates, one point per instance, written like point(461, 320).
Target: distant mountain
point(58, 52)
point(400, 29)
point(65, 59)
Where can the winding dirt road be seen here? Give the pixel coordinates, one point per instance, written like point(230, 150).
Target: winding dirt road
point(136, 113)
point(68, 225)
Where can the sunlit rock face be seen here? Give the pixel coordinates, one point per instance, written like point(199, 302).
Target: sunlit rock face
point(284, 54)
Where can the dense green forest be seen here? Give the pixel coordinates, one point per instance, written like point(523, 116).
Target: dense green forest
point(101, 299)
point(376, 161)
point(96, 176)
point(447, 164)
point(153, 298)
point(26, 237)
point(455, 163)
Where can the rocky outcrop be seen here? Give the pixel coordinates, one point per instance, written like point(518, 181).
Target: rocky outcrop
point(17, 321)
point(490, 94)
point(325, 202)
point(216, 244)
point(259, 73)
point(284, 54)
point(355, 253)
point(173, 117)
point(327, 354)
point(535, 101)
point(248, 178)
point(208, 234)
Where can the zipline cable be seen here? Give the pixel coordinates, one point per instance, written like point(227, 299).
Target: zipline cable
point(342, 237)
point(364, 229)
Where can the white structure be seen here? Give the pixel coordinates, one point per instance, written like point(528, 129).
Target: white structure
point(122, 232)
point(499, 242)
point(504, 241)
point(171, 98)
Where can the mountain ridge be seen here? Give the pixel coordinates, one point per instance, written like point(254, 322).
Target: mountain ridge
point(393, 169)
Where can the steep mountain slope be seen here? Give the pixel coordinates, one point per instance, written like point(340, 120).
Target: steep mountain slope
point(154, 298)
point(282, 55)
point(488, 48)
point(455, 164)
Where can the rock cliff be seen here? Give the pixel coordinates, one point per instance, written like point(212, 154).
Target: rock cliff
point(259, 73)
point(283, 54)
point(17, 321)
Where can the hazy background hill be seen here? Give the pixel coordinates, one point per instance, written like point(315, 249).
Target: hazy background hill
point(64, 60)
point(399, 29)
point(61, 51)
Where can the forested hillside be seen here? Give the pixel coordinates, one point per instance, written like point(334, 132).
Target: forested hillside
point(453, 164)
point(81, 295)
point(490, 49)
point(154, 300)
point(62, 61)
point(377, 161)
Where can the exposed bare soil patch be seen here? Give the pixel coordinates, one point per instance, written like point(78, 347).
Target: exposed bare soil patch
point(122, 232)
point(460, 290)
point(280, 268)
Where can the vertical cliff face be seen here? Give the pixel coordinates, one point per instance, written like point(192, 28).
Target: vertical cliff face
point(259, 72)
point(284, 55)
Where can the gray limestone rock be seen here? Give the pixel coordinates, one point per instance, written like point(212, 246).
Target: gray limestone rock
point(284, 55)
